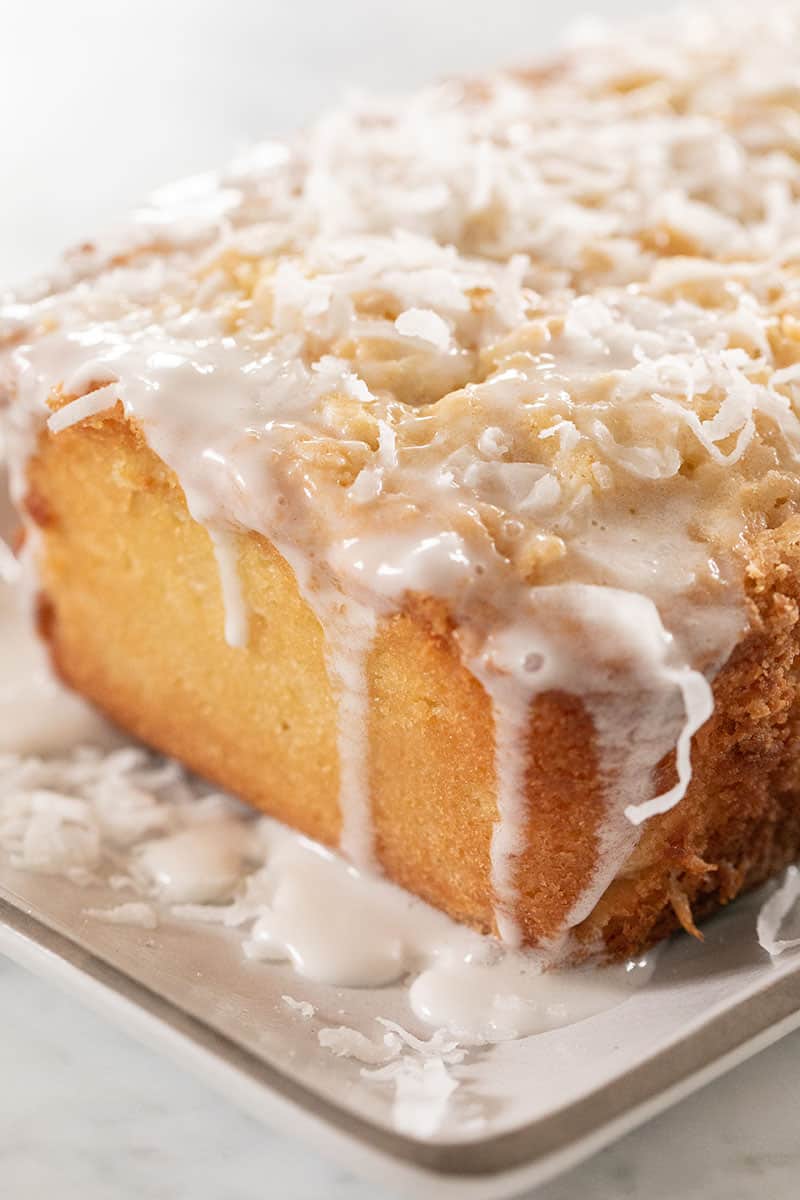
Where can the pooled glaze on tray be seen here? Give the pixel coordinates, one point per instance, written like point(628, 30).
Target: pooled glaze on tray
point(165, 848)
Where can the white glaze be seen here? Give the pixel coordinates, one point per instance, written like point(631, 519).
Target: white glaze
point(511, 710)
point(114, 816)
point(441, 563)
point(496, 1002)
point(698, 703)
point(349, 632)
point(226, 552)
point(634, 716)
point(94, 816)
point(38, 714)
point(196, 866)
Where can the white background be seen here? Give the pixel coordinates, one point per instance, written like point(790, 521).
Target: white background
point(98, 103)
point(101, 101)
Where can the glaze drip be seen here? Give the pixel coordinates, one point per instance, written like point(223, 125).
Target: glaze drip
point(349, 633)
point(226, 553)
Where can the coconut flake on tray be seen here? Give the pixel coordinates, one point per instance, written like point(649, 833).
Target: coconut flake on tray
point(132, 913)
point(774, 912)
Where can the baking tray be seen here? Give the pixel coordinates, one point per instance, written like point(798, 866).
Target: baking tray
point(522, 1111)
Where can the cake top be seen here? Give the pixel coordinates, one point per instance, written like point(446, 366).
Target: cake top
point(539, 330)
point(511, 309)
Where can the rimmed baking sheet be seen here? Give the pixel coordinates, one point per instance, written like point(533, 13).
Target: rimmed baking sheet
point(521, 1112)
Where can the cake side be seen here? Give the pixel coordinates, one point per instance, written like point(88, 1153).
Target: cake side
point(739, 822)
point(132, 611)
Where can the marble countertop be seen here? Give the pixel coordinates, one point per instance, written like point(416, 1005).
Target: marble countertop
point(98, 103)
point(88, 1114)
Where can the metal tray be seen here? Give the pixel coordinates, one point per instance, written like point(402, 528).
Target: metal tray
point(523, 1111)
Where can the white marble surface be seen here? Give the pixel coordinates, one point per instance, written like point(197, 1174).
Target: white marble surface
point(88, 1114)
point(99, 102)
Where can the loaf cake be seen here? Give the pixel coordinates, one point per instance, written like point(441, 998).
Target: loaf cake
point(430, 481)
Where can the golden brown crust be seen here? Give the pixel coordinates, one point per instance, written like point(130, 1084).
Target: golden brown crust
point(133, 616)
point(740, 820)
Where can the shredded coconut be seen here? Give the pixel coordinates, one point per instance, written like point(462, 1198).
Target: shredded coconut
point(82, 407)
point(302, 1007)
point(425, 324)
point(350, 1043)
point(773, 913)
point(134, 913)
point(422, 1092)
point(418, 1070)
